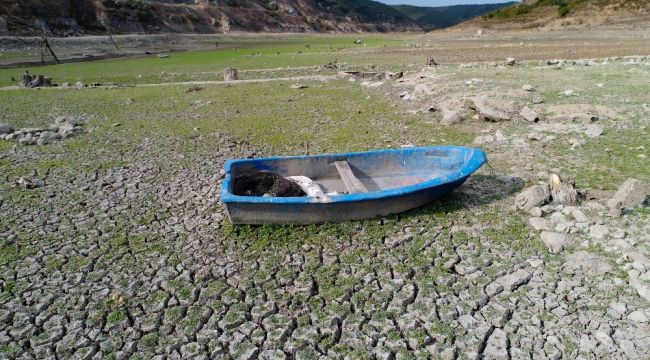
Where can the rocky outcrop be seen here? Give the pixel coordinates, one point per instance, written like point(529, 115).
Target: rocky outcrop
point(70, 17)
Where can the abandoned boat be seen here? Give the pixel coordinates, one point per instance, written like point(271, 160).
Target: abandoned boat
point(360, 185)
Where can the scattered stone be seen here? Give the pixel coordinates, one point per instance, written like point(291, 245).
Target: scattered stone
point(34, 81)
point(510, 61)
point(230, 74)
point(539, 223)
point(538, 99)
point(554, 241)
point(568, 93)
point(163, 56)
point(484, 139)
point(298, 86)
point(528, 87)
point(562, 192)
point(529, 115)
point(500, 136)
point(533, 196)
point(594, 131)
point(193, 88)
point(486, 111)
point(630, 194)
point(6, 129)
point(450, 117)
point(390, 75)
point(638, 316)
point(358, 41)
point(26, 183)
point(598, 232)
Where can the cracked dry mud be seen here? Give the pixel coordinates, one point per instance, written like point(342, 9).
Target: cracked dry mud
point(139, 261)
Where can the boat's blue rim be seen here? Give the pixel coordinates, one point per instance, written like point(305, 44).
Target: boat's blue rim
point(474, 159)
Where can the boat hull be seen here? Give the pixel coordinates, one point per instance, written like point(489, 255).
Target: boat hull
point(316, 213)
point(385, 196)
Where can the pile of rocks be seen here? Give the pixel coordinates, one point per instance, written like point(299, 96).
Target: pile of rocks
point(560, 201)
point(63, 128)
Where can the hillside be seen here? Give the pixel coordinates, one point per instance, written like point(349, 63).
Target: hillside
point(558, 13)
point(430, 18)
point(73, 17)
point(66, 17)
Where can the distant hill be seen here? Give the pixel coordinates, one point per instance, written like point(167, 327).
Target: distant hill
point(558, 13)
point(74, 17)
point(430, 18)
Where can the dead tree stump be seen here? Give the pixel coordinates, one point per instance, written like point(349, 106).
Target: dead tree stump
point(230, 74)
point(33, 81)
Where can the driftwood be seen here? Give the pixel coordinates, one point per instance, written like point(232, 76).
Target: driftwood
point(230, 74)
point(46, 46)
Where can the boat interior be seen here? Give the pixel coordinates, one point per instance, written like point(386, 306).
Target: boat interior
point(363, 172)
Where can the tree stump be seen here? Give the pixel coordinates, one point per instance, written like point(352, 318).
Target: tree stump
point(230, 74)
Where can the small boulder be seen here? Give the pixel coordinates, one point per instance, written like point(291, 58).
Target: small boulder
point(533, 196)
point(528, 87)
point(510, 61)
point(554, 241)
point(484, 139)
point(529, 115)
point(631, 194)
point(487, 111)
point(6, 129)
point(450, 117)
point(594, 131)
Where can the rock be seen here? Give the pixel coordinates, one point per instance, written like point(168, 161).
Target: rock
point(6, 129)
point(594, 131)
point(499, 136)
point(619, 308)
point(598, 232)
point(450, 117)
point(537, 99)
point(485, 110)
point(390, 75)
point(484, 139)
point(539, 223)
point(631, 194)
point(533, 196)
point(568, 93)
point(587, 263)
point(576, 143)
point(26, 183)
point(554, 241)
point(604, 339)
point(298, 86)
point(528, 87)
point(536, 212)
point(579, 216)
point(163, 56)
point(638, 316)
point(510, 61)
point(27, 140)
point(230, 74)
point(562, 192)
point(529, 115)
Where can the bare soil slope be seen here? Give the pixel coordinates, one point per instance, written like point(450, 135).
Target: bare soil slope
point(553, 14)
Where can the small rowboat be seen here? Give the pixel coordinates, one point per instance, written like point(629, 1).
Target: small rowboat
point(364, 184)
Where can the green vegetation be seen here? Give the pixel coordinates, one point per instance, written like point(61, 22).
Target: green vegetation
point(563, 8)
point(246, 53)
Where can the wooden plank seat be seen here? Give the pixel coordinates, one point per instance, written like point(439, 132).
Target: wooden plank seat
point(352, 183)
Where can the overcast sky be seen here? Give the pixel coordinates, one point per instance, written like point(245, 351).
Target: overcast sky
point(441, 2)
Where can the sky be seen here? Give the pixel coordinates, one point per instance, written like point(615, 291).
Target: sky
point(441, 2)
